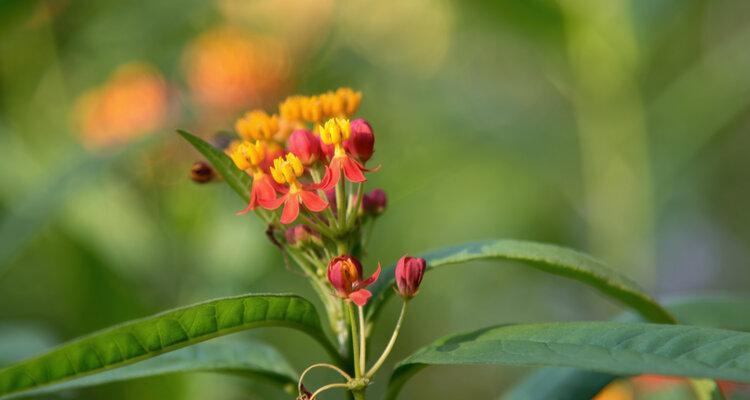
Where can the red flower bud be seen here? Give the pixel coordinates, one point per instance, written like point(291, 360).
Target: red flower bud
point(361, 143)
point(374, 203)
point(345, 275)
point(409, 273)
point(305, 146)
point(301, 234)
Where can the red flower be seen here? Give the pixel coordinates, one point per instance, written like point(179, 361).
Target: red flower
point(263, 192)
point(335, 132)
point(287, 170)
point(345, 275)
point(409, 273)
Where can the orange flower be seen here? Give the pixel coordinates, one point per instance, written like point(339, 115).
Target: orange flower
point(287, 170)
point(345, 275)
point(134, 101)
point(250, 157)
point(335, 132)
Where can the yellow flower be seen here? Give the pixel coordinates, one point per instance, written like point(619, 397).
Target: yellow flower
point(246, 154)
point(287, 170)
point(257, 125)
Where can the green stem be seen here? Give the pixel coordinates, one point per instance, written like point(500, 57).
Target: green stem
point(354, 206)
point(355, 340)
point(389, 347)
point(328, 387)
point(362, 335)
point(340, 206)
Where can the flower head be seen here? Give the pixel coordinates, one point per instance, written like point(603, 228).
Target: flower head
point(251, 158)
point(258, 125)
point(409, 273)
point(287, 170)
point(335, 132)
point(345, 275)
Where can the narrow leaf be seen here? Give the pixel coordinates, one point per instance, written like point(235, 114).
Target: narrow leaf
point(251, 359)
point(548, 258)
point(168, 331)
point(572, 384)
point(238, 180)
point(609, 347)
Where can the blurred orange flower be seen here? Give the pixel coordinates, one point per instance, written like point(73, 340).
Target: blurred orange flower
point(229, 70)
point(131, 103)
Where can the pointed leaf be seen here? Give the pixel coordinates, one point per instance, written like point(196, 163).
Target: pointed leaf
point(168, 331)
point(251, 359)
point(571, 384)
point(610, 347)
point(238, 180)
point(548, 258)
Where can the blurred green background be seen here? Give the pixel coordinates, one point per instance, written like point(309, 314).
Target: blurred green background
point(619, 128)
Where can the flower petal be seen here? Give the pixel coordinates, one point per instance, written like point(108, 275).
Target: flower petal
point(360, 297)
point(312, 201)
point(291, 210)
point(274, 203)
point(353, 170)
point(371, 279)
point(333, 174)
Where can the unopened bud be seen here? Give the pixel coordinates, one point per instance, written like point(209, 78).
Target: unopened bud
point(299, 235)
point(361, 143)
point(305, 146)
point(202, 172)
point(374, 203)
point(409, 273)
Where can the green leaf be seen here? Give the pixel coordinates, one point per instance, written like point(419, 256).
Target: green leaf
point(238, 180)
point(610, 347)
point(252, 359)
point(548, 258)
point(171, 330)
point(572, 384)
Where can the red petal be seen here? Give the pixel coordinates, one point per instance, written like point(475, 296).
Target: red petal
point(291, 210)
point(353, 171)
point(274, 203)
point(360, 297)
point(333, 174)
point(312, 201)
point(371, 279)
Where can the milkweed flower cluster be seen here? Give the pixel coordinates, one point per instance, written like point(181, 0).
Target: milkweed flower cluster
point(308, 163)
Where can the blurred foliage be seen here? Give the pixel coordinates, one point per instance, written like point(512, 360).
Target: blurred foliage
point(617, 128)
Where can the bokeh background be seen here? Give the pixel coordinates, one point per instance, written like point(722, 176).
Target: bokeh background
point(619, 128)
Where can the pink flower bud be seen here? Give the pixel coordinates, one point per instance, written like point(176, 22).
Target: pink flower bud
point(361, 143)
point(374, 203)
point(305, 146)
point(345, 275)
point(299, 235)
point(409, 272)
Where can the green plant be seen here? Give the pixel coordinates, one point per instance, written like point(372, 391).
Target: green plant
point(323, 229)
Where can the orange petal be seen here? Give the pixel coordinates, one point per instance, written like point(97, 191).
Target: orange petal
point(291, 210)
point(312, 201)
point(371, 279)
point(353, 170)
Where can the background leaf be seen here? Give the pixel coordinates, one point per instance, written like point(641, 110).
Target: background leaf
point(238, 180)
point(247, 358)
point(548, 258)
point(572, 384)
point(610, 347)
point(171, 330)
